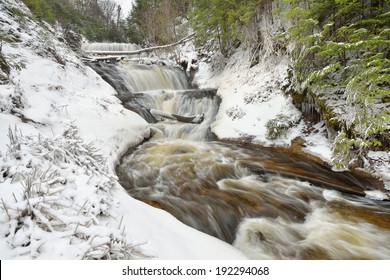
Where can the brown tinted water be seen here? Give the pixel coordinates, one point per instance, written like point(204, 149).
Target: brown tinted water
point(271, 204)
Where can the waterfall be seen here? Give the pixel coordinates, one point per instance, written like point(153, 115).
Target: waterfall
point(153, 77)
point(114, 47)
point(130, 77)
point(268, 202)
point(143, 88)
point(189, 102)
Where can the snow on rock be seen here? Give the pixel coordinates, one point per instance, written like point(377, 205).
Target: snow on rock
point(380, 164)
point(376, 195)
point(251, 98)
point(317, 142)
point(62, 131)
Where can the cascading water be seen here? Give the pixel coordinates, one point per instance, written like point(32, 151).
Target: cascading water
point(186, 102)
point(236, 194)
point(270, 203)
point(130, 77)
point(113, 47)
point(145, 87)
point(152, 77)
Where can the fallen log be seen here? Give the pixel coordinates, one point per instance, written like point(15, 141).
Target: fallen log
point(145, 50)
point(160, 115)
point(109, 58)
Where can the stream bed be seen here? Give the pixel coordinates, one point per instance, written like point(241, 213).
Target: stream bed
point(270, 203)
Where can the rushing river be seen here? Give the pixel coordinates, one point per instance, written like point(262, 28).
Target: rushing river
point(270, 203)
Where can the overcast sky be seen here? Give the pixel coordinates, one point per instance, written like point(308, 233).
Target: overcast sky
point(126, 5)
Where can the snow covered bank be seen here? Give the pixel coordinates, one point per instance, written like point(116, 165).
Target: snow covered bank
point(254, 105)
point(255, 108)
point(60, 198)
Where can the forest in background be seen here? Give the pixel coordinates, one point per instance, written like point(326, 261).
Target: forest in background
point(339, 49)
point(97, 20)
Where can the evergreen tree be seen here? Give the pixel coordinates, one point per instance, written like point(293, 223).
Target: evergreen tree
point(345, 43)
point(222, 20)
point(41, 9)
point(95, 19)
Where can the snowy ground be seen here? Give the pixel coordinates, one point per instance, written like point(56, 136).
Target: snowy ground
point(60, 198)
point(61, 133)
point(252, 97)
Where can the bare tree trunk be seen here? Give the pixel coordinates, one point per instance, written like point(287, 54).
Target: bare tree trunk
point(118, 19)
